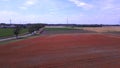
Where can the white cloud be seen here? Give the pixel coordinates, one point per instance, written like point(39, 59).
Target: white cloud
point(28, 3)
point(82, 4)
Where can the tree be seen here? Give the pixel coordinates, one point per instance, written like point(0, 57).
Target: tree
point(16, 31)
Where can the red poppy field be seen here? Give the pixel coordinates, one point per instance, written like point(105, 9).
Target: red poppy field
point(62, 51)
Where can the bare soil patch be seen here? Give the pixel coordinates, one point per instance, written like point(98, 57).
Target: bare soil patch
point(62, 51)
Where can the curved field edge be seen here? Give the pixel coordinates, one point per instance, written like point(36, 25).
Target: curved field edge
point(49, 31)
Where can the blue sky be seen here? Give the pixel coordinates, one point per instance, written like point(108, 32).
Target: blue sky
point(57, 11)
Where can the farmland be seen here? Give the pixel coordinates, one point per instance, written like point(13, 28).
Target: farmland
point(102, 29)
point(64, 30)
point(63, 48)
point(62, 51)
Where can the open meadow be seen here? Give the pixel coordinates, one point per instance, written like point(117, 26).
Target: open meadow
point(8, 32)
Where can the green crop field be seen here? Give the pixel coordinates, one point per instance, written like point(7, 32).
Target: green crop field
point(6, 32)
point(58, 29)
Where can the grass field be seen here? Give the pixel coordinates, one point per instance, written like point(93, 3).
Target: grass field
point(6, 32)
point(54, 29)
point(64, 30)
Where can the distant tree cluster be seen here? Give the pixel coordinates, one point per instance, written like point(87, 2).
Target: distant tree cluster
point(89, 25)
point(35, 27)
point(32, 28)
point(83, 25)
point(77, 25)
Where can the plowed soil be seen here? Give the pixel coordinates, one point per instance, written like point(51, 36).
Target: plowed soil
point(62, 51)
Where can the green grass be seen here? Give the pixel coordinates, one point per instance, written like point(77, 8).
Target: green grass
point(6, 32)
point(58, 29)
point(23, 31)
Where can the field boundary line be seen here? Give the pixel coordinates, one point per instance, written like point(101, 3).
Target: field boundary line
point(13, 38)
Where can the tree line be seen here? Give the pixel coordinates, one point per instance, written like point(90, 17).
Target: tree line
point(32, 28)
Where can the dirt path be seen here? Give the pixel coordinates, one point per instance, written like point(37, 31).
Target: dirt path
point(62, 51)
